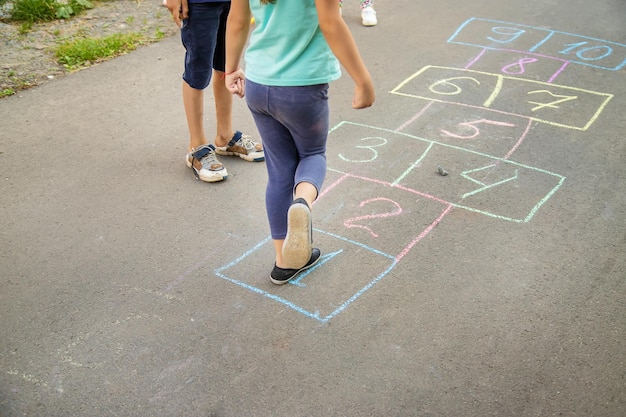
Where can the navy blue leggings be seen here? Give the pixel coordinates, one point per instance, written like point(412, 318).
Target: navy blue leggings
point(293, 123)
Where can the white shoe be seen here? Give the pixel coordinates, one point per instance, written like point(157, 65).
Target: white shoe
point(368, 16)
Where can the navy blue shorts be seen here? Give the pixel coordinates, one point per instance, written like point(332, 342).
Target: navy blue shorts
point(203, 34)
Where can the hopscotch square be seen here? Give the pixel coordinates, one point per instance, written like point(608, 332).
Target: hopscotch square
point(377, 214)
point(519, 64)
point(473, 128)
point(498, 34)
point(372, 152)
point(345, 271)
point(483, 183)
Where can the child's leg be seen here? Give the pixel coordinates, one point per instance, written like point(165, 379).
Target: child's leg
point(223, 111)
point(199, 37)
point(193, 101)
point(223, 97)
point(294, 136)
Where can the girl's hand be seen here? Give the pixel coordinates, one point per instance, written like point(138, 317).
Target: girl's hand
point(364, 96)
point(236, 82)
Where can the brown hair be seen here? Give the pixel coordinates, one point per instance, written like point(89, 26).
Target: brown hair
point(268, 1)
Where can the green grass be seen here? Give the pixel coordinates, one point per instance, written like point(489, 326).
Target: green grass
point(77, 53)
point(46, 10)
point(7, 92)
point(33, 10)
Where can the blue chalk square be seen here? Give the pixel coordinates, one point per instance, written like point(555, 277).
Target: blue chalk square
point(346, 270)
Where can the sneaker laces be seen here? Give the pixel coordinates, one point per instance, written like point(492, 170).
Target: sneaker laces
point(247, 142)
point(210, 159)
point(207, 161)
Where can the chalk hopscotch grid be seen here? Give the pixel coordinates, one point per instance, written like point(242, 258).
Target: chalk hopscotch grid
point(394, 260)
point(220, 272)
point(500, 78)
point(396, 182)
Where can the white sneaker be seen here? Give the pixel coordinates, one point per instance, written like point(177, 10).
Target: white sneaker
point(368, 16)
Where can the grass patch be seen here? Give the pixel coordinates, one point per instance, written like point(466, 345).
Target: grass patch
point(46, 10)
point(6, 92)
point(83, 52)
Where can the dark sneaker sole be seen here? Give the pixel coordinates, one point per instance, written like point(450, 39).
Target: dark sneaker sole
point(280, 276)
point(297, 246)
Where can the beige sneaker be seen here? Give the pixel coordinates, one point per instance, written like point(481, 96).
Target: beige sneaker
point(244, 147)
point(205, 165)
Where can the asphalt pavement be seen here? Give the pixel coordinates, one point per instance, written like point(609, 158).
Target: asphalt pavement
point(472, 225)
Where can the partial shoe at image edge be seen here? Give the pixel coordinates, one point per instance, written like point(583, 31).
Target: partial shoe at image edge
point(368, 16)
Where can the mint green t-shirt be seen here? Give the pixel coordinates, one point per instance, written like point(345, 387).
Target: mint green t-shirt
point(287, 47)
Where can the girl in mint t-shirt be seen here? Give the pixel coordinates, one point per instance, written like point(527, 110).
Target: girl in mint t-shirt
point(293, 52)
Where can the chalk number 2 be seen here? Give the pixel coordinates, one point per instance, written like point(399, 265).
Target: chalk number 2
point(396, 210)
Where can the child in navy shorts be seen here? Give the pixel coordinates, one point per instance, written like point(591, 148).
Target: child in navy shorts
point(203, 32)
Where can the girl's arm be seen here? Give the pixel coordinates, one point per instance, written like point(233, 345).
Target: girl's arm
point(341, 42)
point(237, 30)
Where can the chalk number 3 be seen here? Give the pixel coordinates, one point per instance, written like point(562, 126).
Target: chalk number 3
point(374, 142)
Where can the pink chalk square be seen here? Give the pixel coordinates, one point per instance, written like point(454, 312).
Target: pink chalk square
point(376, 214)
